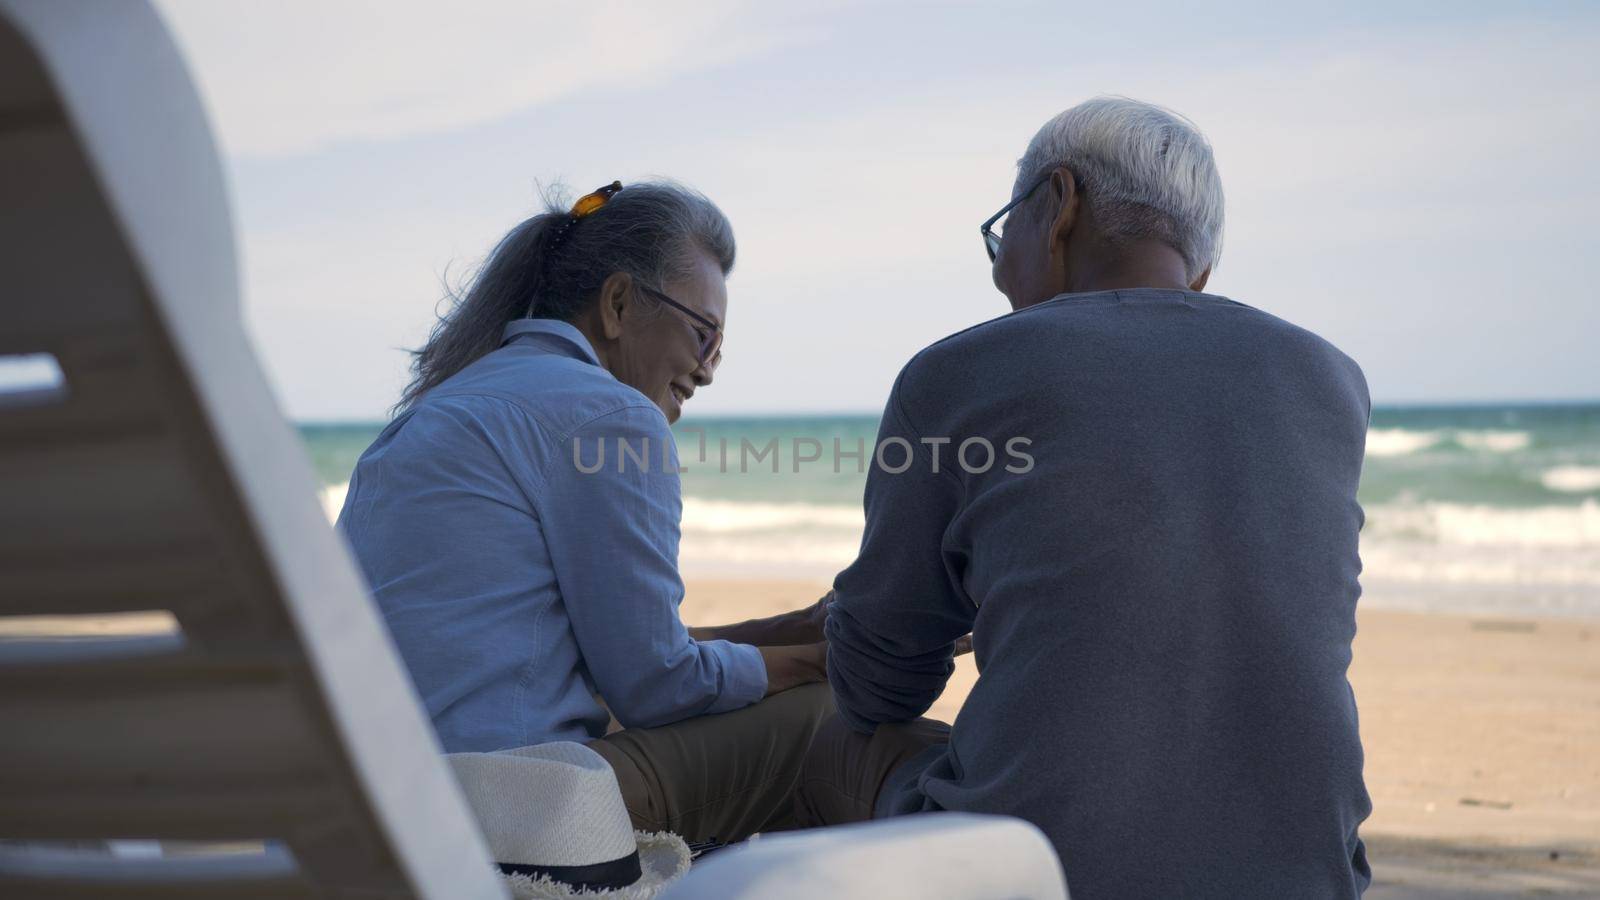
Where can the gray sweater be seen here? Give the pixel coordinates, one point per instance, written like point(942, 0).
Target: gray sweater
point(1162, 604)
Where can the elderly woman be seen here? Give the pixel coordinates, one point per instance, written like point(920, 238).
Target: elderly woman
point(518, 521)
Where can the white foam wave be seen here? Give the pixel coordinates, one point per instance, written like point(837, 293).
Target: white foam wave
point(1457, 524)
point(1421, 564)
point(770, 554)
point(1478, 558)
point(1383, 442)
point(1473, 525)
point(1494, 441)
point(332, 497)
point(767, 539)
point(1400, 441)
point(712, 516)
point(732, 516)
point(1425, 555)
point(1572, 479)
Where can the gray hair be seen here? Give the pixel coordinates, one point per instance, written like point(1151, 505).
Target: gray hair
point(1147, 172)
point(551, 267)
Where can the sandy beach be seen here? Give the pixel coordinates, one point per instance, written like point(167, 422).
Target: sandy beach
point(1482, 737)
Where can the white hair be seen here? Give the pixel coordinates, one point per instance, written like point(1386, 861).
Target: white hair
point(1146, 171)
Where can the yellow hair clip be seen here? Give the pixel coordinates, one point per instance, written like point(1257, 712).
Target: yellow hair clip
point(590, 202)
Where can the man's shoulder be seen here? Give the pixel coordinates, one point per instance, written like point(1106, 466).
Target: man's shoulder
point(1293, 345)
point(1056, 325)
point(1103, 330)
point(1293, 337)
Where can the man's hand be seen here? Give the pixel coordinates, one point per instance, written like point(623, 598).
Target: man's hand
point(792, 666)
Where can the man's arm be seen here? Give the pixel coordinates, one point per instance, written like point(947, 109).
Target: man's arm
point(898, 610)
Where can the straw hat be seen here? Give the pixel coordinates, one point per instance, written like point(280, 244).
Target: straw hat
point(556, 824)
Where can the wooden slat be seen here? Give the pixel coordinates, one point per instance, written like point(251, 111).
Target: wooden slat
point(152, 734)
point(111, 579)
point(113, 389)
point(219, 810)
point(47, 874)
point(134, 491)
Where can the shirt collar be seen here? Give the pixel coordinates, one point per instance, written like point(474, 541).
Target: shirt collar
point(552, 334)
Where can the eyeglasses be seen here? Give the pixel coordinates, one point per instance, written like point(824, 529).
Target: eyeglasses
point(710, 338)
point(992, 229)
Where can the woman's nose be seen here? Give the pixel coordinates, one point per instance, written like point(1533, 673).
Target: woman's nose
point(703, 375)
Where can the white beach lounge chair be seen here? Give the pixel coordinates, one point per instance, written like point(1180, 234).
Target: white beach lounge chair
point(926, 856)
point(146, 469)
point(158, 474)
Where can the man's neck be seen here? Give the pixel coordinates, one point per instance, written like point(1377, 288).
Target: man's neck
point(1145, 264)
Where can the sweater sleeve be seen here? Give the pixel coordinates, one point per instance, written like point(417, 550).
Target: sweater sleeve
point(898, 609)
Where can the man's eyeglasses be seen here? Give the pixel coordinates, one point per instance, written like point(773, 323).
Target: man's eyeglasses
point(710, 333)
point(993, 228)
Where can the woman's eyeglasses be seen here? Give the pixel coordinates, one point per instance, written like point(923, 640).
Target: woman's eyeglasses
point(709, 332)
point(993, 227)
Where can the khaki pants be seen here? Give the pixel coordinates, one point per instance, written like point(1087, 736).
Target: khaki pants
point(845, 770)
point(722, 777)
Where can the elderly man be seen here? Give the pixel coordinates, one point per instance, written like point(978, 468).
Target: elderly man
point(1159, 577)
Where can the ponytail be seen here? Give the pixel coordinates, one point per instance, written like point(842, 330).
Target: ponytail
point(551, 267)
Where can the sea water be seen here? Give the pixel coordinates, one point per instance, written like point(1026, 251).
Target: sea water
point(1472, 509)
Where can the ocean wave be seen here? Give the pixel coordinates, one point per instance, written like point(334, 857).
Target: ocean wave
point(701, 514)
point(1477, 525)
point(1384, 442)
point(1418, 564)
point(1494, 441)
point(332, 496)
point(1572, 479)
point(1400, 441)
point(769, 554)
point(1430, 555)
point(1460, 524)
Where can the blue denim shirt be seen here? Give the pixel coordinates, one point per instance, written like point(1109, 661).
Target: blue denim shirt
point(517, 585)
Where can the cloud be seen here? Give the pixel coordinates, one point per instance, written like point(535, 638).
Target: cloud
point(1390, 188)
point(1412, 195)
point(294, 76)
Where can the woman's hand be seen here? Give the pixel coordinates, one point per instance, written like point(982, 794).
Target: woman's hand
point(802, 626)
point(816, 615)
point(791, 666)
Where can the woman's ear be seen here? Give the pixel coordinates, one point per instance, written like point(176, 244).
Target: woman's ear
point(616, 292)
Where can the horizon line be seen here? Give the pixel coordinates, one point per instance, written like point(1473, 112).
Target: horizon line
point(872, 414)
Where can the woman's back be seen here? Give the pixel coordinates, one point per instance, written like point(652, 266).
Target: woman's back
point(493, 555)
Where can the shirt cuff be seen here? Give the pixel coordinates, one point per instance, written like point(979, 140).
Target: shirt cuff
point(744, 675)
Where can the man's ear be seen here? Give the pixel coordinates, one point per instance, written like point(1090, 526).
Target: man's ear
point(1199, 284)
point(1064, 187)
point(616, 292)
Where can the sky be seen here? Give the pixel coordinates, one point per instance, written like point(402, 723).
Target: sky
point(1414, 182)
